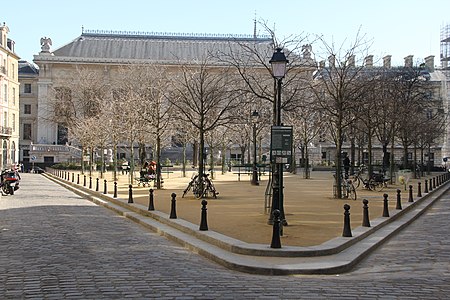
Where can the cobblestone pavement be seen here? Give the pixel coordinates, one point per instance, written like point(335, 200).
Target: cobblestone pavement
point(56, 245)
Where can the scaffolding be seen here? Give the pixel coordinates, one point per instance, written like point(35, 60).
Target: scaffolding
point(445, 46)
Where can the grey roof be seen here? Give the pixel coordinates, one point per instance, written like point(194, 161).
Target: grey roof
point(155, 47)
point(26, 68)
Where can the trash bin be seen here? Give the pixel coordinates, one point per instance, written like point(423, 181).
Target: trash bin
point(404, 176)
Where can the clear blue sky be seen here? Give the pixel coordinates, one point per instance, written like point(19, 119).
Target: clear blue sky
point(397, 27)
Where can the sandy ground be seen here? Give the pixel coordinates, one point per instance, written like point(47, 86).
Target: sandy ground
point(312, 214)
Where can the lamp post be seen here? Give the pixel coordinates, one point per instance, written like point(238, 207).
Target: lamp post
point(278, 63)
point(255, 118)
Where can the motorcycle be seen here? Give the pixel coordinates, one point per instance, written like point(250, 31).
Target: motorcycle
point(9, 182)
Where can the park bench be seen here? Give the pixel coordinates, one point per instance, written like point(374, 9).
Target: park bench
point(247, 169)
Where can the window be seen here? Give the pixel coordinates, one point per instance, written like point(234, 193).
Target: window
point(5, 91)
point(49, 159)
point(27, 131)
point(27, 109)
point(26, 152)
point(14, 122)
point(27, 88)
point(14, 96)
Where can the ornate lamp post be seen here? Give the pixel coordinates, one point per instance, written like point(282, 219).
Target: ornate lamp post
point(278, 63)
point(255, 119)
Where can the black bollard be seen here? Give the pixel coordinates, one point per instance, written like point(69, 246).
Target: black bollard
point(347, 232)
point(399, 200)
point(365, 222)
point(426, 186)
point(410, 194)
point(84, 180)
point(434, 182)
point(115, 189)
point(78, 178)
point(96, 185)
point(419, 190)
point(385, 206)
point(276, 241)
point(203, 221)
point(130, 193)
point(173, 207)
point(430, 185)
point(105, 187)
point(73, 177)
point(90, 182)
point(151, 205)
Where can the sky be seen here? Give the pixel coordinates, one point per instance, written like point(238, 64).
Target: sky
point(392, 27)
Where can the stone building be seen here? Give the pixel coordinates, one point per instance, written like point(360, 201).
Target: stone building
point(9, 101)
point(107, 51)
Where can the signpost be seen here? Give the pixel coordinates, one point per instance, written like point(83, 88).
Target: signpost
point(33, 158)
point(281, 145)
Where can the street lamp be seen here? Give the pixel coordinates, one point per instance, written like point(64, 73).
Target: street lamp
point(255, 118)
point(278, 63)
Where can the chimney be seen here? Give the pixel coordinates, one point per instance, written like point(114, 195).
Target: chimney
point(331, 61)
point(429, 63)
point(409, 61)
point(351, 61)
point(387, 61)
point(368, 61)
point(322, 64)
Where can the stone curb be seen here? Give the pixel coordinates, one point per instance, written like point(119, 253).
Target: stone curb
point(335, 256)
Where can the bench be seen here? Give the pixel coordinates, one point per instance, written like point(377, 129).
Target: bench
point(247, 169)
point(166, 169)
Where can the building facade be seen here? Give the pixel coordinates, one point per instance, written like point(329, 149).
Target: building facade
point(9, 101)
point(44, 141)
point(28, 78)
point(106, 52)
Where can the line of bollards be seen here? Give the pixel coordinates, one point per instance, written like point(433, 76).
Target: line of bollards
point(430, 184)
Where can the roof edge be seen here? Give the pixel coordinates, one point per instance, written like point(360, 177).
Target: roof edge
point(169, 35)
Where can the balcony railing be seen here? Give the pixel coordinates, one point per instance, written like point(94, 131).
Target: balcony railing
point(55, 148)
point(5, 131)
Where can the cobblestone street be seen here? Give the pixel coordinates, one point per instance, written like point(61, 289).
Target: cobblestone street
point(56, 245)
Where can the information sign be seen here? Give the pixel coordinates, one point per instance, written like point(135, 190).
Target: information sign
point(281, 145)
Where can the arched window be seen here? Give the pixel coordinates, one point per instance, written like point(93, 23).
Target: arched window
point(5, 154)
point(13, 152)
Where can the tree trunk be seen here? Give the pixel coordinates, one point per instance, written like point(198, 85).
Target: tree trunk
point(183, 168)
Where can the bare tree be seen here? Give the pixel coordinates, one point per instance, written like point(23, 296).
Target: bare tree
point(337, 89)
point(308, 123)
point(206, 99)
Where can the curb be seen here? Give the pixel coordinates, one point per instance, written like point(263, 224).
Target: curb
point(338, 255)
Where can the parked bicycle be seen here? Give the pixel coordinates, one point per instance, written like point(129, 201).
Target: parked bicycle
point(201, 187)
point(348, 190)
point(376, 182)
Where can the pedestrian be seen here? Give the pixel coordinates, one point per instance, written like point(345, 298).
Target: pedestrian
point(346, 162)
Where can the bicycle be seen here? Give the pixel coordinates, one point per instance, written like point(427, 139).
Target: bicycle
point(376, 182)
point(201, 187)
point(348, 190)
